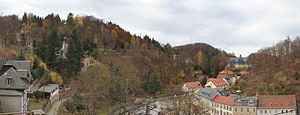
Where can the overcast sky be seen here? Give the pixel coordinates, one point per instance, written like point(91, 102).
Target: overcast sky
point(238, 26)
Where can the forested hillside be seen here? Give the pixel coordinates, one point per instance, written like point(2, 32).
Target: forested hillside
point(99, 57)
point(275, 69)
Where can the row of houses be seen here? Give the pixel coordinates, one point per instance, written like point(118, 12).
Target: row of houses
point(220, 102)
point(223, 81)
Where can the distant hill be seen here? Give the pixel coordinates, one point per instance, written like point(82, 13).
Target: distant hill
point(203, 57)
point(191, 50)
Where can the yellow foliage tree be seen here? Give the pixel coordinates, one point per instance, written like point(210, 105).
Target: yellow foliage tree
point(56, 78)
point(133, 41)
point(43, 65)
point(79, 20)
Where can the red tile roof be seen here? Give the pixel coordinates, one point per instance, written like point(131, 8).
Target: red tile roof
point(226, 71)
point(225, 75)
point(224, 100)
point(193, 84)
point(277, 101)
point(217, 82)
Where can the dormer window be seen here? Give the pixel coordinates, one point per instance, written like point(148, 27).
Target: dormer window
point(8, 81)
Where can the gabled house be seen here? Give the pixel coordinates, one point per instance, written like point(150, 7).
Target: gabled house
point(216, 83)
point(225, 73)
point(277, 105)
point(191, 86)
point(223, 105)
point(228, 75)
point(207, 94)
point(15, 79)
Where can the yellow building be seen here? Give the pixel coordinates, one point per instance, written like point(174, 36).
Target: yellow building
point(238, 63)
point(245, 106)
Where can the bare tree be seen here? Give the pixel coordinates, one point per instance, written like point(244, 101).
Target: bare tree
point(187, 105)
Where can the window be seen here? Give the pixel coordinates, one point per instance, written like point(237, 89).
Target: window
point(247, 109)
point(265, 111)
point(261, 111)
point(235, 109)
point(241, 109)
point(8, 81)
point(253, 109)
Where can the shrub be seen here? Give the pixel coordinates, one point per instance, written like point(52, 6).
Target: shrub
point(38, 94)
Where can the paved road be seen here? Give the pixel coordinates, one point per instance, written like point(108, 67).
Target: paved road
point(54, 107)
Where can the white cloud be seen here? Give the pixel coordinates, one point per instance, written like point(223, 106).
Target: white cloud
point(240, 26)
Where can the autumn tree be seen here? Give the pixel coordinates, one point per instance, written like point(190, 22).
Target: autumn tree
point(78, 21)
point(135, 42)
point(93, 89)
point(114, 37)
point(203, 62)
point(279, 86)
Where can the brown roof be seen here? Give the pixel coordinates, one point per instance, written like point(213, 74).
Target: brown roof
point(277, 101)
point(193, 84)
point(224, 100)
point(217, 82)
